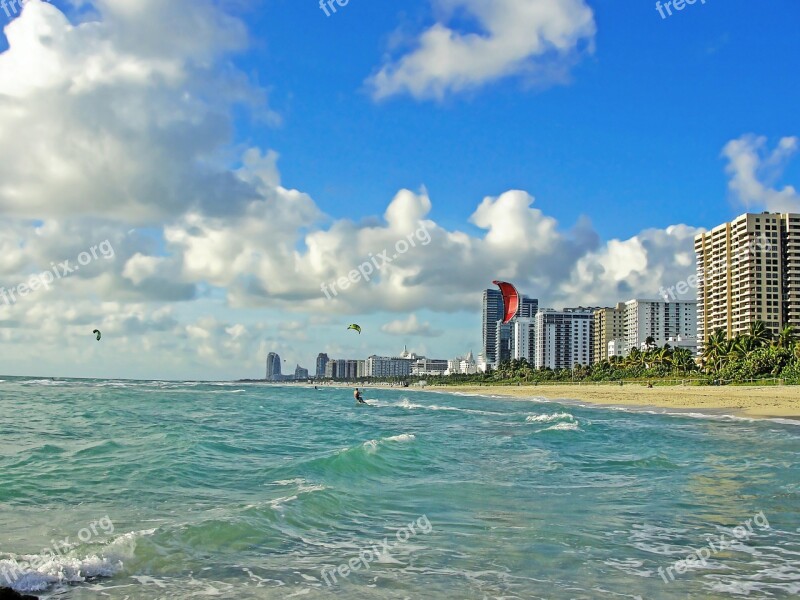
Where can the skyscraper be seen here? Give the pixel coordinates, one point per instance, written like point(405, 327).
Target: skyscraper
point(502, 342)
point(609, 326)
point(564, 338)
point(528, 307)
point(663, 321)
point(748, 270)
point(273, 366)
point(523, 338)
point(497, 337)
point(322, 361)
point(492, 313)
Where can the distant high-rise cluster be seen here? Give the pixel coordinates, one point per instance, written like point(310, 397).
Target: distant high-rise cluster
point(563, 339)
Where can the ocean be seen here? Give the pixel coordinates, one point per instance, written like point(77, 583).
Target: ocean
point(152, 489)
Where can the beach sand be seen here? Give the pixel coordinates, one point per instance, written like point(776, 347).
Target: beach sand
point(750, 401)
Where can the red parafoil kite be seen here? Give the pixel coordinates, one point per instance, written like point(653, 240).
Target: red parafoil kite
point(510, 300)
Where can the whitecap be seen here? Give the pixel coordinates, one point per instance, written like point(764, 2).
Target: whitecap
point(545, 418)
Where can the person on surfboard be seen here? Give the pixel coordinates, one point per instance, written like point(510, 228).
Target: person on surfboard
point(358, 397)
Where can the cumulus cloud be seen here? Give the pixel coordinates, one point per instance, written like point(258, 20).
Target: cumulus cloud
point(754, 171)
point(410, 326)
point(535, 38)
point(267, 259)
point(122, 117)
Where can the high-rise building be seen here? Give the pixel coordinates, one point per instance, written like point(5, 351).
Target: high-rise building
point(322, 361)
point(528, 307)
point(502, 342)
point(523, 338)
point(563, 338)
point(748, 270)
point(273, 366)
point(492, 313)
point(384, 366)
point(497, 336)
point(429, 366)
point(332, 369)
point(661, 320)
point(609, 326)
point(300, 373)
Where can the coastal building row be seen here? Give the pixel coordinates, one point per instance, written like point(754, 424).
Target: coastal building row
point(631, 324)
point(563, 339)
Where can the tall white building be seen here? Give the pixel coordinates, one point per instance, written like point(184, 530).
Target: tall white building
point(429, 366)
point(661, 320)
point(523, 338)
point(748, 270)
point(563, 338)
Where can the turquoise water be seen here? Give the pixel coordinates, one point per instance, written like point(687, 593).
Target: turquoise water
point(187, 490)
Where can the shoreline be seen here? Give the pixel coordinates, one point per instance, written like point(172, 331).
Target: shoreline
point(764, 402)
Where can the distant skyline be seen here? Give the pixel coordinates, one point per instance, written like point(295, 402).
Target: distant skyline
point(238, 157)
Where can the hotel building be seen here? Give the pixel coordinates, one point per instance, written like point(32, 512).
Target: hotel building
point(563, 338)
point(748, 270)
point(673, 323)
point(609, 328)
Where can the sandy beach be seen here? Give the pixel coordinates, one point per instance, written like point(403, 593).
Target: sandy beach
point(755, 401)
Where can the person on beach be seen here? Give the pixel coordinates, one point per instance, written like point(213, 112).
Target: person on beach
point(358, 397)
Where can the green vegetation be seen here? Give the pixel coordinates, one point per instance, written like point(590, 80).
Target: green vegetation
point(756, 355)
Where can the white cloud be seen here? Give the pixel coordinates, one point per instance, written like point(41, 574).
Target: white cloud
point(535, 38)
point(754, 170)
point(78, 102)
point(410, 326)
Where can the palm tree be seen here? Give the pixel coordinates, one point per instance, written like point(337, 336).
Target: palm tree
point(683, 360)
point(634, 357)
point(786, 337)
point(664, 356)
point(714, 350)
point(743, 345)
point(759, 332)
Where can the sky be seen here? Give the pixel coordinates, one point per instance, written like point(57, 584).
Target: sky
point(209, 181)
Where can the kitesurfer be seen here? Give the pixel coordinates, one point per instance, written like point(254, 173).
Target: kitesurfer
point(359, 398)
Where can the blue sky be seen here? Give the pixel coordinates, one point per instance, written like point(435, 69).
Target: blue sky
point(642, 123)
point(168, 119)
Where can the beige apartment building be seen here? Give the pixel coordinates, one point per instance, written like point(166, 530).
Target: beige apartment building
point(748, 270)
point(609, 325)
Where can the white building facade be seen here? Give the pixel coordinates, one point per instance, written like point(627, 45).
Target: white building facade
point(661, 320)
point(563, 339)
point(523, 338)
